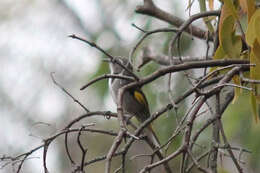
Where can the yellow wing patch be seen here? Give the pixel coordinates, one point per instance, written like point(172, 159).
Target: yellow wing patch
point(140, 97)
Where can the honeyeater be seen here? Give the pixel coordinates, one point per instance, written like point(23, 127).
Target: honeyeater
point(134, 102)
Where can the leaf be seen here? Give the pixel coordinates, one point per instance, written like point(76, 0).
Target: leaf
point(257, 27)
point(255, 59)
point(237, 45)
point(229, 4)
point(252, 32)
point(211, 4)
point(225, 12)
point(231, 43)
point(250, 8)
point(243, 5)
point(255, 74)
point(247, 6)
point(227, 28)
point(220, 53)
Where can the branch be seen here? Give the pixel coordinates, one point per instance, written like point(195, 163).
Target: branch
point(239, 168)
point(213, 156)
point(188, 130)
point(150, 9)
point(89, 114)
point(197, 164)
point(66, 92)
point(168, 158)
point(186, 66)
point(113, 149)
point(106, 76)
point(141, 128)
point(83, 150)
point(184, 27)
point(47, 142)
point(147, 33)
point(113, 59)
point(148, 55)
point(97, 159)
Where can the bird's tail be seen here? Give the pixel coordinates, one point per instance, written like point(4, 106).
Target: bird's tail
point(154, 143)
point(152, 137)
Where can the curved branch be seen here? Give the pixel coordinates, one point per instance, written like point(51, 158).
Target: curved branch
point(106, 76)
point(150, 9)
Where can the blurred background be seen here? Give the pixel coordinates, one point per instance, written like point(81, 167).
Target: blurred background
point(34, 43)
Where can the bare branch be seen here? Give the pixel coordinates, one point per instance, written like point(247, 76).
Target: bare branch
point(239, 168)
point(113, 59)
point(66, 92)
point(113, 149)
point(83, 150)
point(150, 9)
point(106, 76)
point(147, 33)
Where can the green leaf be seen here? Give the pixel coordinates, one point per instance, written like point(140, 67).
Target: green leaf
point(255, 74)
point(257, 27)
point(231, 6)
point(255, 59)
point(253, 30)
point(231, 43)
point(220, 53)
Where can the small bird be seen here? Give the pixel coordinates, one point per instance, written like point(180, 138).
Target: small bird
point(134, 101)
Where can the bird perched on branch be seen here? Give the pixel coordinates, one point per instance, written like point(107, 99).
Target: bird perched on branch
point(134, 102)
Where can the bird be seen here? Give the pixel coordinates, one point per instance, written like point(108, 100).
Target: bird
point(134, 101)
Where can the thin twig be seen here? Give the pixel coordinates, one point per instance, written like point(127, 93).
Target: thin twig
point(197, 164)
point(213, 156)
point(113, 59)
point(146, 34)
point(185, 25)
point(239, 168)
point(113, 149)
point(66, 92)
point(168, 158)
point(106, 76)
point(106, 114)
point(83, 150)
